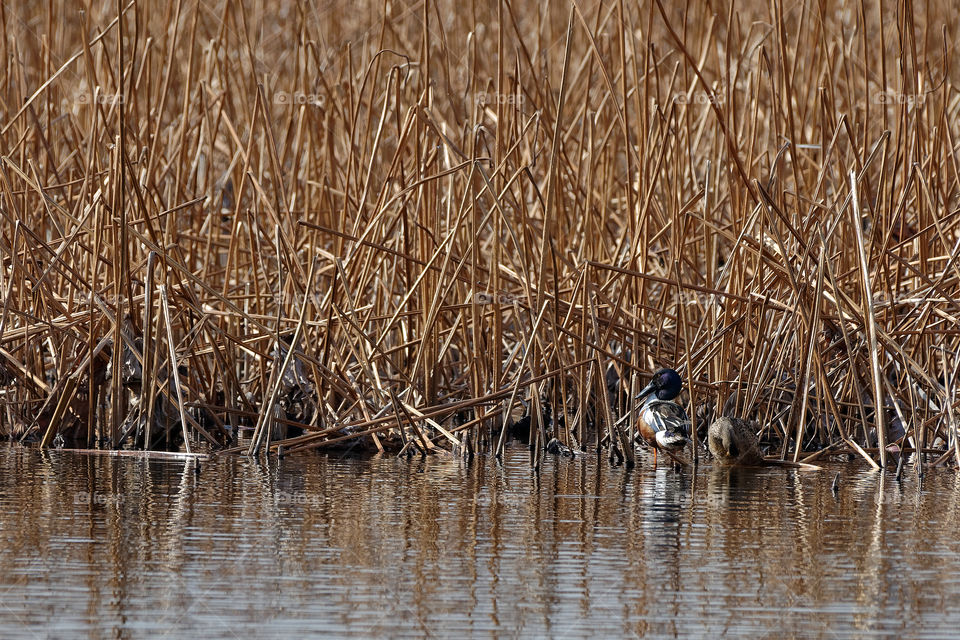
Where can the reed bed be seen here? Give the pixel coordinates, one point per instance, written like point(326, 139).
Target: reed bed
point(279, 227)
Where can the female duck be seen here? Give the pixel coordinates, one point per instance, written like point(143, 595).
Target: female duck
point(663, 423)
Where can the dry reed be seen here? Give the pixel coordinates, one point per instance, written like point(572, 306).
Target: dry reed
point(402, 225)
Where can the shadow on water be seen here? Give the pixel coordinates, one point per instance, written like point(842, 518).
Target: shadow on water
point(96, 546)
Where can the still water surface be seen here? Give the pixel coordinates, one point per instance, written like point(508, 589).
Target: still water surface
point(94, 546)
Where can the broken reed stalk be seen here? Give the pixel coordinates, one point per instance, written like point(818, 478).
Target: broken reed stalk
point(948, 384)
point(553, 194)
point(174, 372)
point(871, 325)
point(148, 377)
point(261, 433)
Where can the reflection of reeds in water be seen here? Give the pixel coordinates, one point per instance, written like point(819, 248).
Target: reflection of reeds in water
point(498, 206)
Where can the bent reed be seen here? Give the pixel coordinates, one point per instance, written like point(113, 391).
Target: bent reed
point(281, 227)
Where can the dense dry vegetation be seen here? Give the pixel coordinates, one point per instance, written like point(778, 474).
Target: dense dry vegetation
point(461, 213)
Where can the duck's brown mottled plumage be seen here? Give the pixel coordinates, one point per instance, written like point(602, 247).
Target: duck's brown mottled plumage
point(733, 441)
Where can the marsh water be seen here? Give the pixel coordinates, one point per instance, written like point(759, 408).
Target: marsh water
point(97, 546)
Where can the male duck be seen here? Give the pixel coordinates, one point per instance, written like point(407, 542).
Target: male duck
point(663, 423)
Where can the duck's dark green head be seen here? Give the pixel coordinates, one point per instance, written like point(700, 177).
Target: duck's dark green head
point(666, 384)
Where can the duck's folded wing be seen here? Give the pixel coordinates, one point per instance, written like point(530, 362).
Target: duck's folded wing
point(663, 415)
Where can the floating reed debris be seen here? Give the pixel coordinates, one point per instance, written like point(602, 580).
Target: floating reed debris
point(432, 227)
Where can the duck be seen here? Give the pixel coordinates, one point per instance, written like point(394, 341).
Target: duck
point(662, 422)
point(733, 442)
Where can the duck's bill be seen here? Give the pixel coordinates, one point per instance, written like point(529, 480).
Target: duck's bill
point(647, 390)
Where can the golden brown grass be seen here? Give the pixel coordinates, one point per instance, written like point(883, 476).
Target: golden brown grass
point(452, 208)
